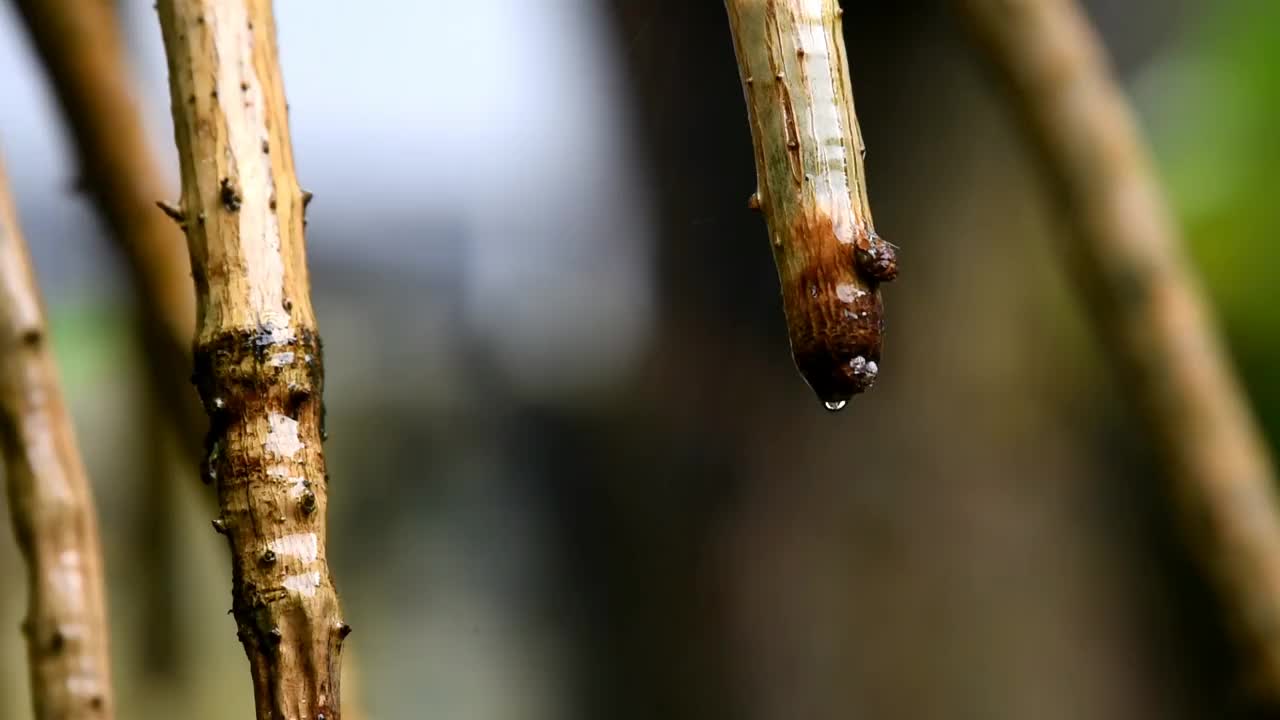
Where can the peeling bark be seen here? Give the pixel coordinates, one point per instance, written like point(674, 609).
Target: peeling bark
point(812, 190)
point(1147, 303)
point(51, 503)
point(258, 364)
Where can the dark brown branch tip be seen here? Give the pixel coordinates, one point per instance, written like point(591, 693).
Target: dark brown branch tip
point(307, 195)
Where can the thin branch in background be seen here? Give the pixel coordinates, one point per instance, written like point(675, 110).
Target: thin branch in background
point(1147, 304)
point(153, 537)
point(257, 354)
point(82, 48)
point(50, 501)
point(813, 191)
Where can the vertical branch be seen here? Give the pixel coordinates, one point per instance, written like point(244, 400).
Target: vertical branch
point(812, 189)
point(257, 354)
point(1147, 303)
point(51, 503)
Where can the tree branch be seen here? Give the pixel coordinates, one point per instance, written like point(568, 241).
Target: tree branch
point(50, 501)
point(812, 189)
point(1147, 303)
point(81, 47)
point(258, 361)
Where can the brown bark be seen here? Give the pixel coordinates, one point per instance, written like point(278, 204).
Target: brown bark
point(257, 354)
point(82, 48)
point(812, 189)
point(1147, 303)
point(50, 501)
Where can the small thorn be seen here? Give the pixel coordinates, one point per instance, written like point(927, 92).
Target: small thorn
point(220, 526)
point(342, 628)
point(174, 213)
point(753, 202)
point(306, 198)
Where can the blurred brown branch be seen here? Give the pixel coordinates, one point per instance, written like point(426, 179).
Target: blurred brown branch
point(1147, 303)
point(51, 502)
point(258, 360)
point(81, 46)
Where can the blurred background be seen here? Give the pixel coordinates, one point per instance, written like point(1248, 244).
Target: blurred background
point(574, 473)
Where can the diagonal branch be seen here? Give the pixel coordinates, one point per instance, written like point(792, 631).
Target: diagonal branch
point(257, 353)
point(1147, 303)
point(81, 47)
point(50, 501)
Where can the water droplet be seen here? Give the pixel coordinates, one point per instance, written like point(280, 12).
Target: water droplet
point(835, 405)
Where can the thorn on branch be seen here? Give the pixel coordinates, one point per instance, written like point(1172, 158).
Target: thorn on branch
point(174, 213)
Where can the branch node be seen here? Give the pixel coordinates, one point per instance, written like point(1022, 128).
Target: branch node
point(229, 195)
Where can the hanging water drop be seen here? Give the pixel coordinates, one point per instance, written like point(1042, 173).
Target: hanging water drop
point(835, 405)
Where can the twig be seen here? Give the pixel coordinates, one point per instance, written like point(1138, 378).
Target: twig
point(812, 189)
point(50, 501)
point(258, 364)
point(1147, 303)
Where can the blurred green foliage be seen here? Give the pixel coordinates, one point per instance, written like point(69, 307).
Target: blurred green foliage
point(1213, 107)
